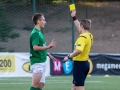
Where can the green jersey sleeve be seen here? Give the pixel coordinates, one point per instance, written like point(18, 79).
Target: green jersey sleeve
point(35, 39)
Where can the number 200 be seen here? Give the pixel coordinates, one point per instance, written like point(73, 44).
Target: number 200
point(5, 63)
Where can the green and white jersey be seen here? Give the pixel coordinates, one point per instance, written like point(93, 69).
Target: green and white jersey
point(37, 38)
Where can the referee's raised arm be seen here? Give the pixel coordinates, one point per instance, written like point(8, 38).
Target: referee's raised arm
point(77, 23)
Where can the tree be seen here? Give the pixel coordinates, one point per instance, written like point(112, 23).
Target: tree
point(6, 30)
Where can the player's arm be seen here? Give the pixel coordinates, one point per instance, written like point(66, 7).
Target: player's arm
point(51, 57)
point(75, 53)
point(77, 23)
point(40, 48)
point(35, 43)
point(81, 42)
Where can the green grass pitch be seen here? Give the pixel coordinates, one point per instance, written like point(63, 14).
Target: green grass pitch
point(62, 83)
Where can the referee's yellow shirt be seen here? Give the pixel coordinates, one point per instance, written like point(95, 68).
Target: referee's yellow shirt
point(83, 43)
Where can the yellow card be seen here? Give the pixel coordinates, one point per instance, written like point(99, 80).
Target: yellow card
point(72, 7)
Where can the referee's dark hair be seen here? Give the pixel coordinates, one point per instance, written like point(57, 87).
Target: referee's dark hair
point(36, 17)
point(86, 23)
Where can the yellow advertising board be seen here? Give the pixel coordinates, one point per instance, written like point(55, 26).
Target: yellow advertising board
point(7, 63)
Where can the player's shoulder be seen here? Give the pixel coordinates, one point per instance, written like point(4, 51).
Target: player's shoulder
point(91, 36)
point(83, 36)
point(86, 35)
point(34, 33)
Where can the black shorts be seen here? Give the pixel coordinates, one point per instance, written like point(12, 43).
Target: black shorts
point(80, 71)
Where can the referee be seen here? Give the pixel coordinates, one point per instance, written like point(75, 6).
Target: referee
point(80, 55)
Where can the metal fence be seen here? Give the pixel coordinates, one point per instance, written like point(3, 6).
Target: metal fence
point(16, 24)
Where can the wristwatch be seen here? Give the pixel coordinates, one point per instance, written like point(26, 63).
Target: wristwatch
point(69, 56)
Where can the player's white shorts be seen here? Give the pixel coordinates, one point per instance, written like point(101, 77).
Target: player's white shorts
point(39, 68)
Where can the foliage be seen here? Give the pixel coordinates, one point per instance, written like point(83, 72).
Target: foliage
point(5, 27)
point(51, 1)
point(11, 1)
point(95, 0)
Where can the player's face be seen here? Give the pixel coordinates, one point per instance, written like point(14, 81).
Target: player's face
point(42, 22)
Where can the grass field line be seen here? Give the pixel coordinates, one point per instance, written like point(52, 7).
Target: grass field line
point(51, 82)
point(30, 80)
point(47, 80)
